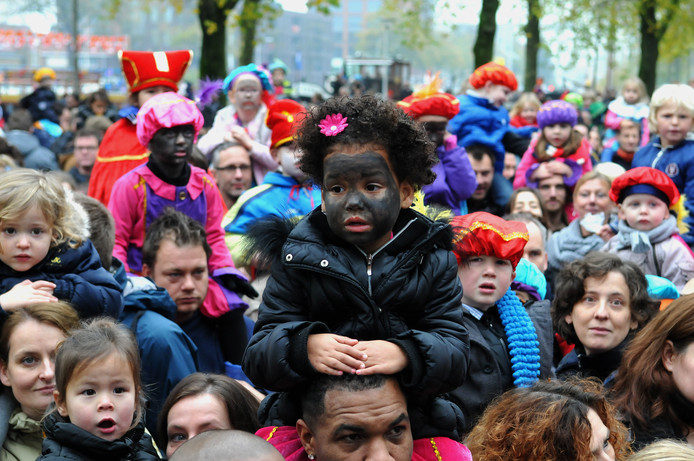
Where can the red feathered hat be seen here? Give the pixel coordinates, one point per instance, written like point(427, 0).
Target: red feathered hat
point(485, 234)
point(443, 104)
point(145, 69)
point(282, 117)
point(644, 180)
point(496, 73)
point(430, 101)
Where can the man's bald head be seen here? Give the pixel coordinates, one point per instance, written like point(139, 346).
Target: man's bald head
point(226, 446)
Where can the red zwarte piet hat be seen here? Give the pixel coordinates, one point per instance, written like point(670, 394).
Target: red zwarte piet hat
point(484, 234)
point(644, 180)
point(443, 104)
point(496, 73)
point(282, 119)
point(145, 69)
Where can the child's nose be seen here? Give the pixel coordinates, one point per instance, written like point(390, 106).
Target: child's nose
point(105, 402)
point(23, 242)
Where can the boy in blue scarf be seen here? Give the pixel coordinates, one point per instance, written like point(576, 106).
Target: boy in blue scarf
point(506, 338)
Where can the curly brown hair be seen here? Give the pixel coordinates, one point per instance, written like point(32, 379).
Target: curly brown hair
point(570, 288)
point(370, 121)
point(546, 421)
point(643, 388)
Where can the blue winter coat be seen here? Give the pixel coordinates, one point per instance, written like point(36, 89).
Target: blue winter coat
point(481, 122)
point(678, 163)
point(79, 280)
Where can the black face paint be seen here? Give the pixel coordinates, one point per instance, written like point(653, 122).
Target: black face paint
point(361, 198)
point(171, 148)
point(436, 131)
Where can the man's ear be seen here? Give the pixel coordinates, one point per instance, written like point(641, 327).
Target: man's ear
point(146, 270)
point(322, 199)
point(406, 194)
point(60, 404)
point(306, 437)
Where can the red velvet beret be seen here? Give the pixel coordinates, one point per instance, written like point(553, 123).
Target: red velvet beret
point(496, 73)
point(484, 234)
point(145, 69)
point(443, 104)
point(644, 180)
point(282, 119)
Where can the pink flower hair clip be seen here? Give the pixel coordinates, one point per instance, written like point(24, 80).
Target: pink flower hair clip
point(331, 125)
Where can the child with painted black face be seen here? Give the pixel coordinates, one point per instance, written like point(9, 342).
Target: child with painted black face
point(363, 283)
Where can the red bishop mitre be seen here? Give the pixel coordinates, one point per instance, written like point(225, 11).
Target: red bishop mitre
point(145, 69)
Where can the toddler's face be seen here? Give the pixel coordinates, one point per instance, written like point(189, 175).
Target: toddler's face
point(557, 134)
point(100, 398)
point(628, 139)
point(643, 211)
point(289, 157)
point(25, 240)
point(631, 94)
point(529, 113)
point(673, 122)
point(485, 280)
point(497, 94)
point(361, 195)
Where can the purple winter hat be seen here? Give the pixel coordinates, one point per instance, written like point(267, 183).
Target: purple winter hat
point(556, 111)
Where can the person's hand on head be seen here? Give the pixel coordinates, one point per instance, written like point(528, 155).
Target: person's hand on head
point(382, 357)
point(560, 168)
point(27, 292)
point(334, 354)
point(240, 135)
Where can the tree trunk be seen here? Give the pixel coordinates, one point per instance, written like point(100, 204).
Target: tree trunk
point(532, 44)
point(649, 44)
point(213, 57)
point(248, 24)
point(484, 45)
point(74, 55)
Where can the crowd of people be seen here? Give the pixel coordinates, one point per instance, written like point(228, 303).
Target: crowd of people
point(434, 278)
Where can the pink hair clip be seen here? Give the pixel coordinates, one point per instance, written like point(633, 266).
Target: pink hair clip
point(331, 125)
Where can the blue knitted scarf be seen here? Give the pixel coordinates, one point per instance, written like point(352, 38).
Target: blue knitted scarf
point(521, 338)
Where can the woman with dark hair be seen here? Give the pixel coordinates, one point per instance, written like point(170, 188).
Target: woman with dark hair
point(561, 421)
point(599, 302)
point(203, 402)
point(654, 388)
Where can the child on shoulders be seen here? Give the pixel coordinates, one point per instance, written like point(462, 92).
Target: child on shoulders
point(564, 150)
point(44, 254)
point(169, 124)
point(631, 105)
point(648, 234)
point(363, 284)
point(286, 193)
point(455, 179)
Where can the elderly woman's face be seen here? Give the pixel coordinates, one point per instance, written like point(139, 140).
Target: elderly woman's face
point(602, 317)
point(593, 198)
point(192, 415)
point(30, 367)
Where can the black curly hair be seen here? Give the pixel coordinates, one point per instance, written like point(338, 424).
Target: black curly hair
point(370, 120)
